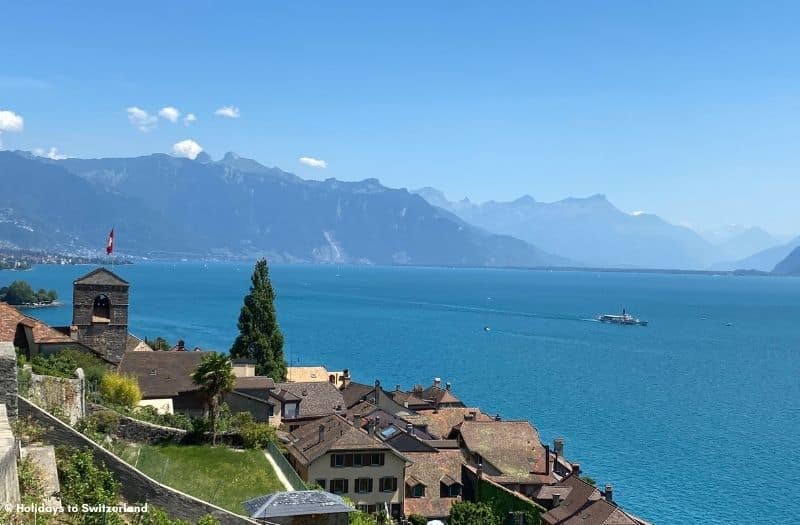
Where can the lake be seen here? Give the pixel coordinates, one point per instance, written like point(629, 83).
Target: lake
point(693, 419)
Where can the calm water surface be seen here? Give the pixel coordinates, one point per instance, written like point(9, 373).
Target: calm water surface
point(693, 419)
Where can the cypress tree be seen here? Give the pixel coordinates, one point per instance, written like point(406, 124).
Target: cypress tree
point(260, 337)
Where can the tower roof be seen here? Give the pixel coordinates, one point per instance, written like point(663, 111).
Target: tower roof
point(101, 276)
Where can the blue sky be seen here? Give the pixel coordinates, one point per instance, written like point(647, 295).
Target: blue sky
point(686, 109)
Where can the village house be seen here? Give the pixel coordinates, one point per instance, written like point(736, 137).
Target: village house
point(433, 482)
point(573, 501)
point(432, 398)
point(308, 374)
point(32, 336)
point(350, 462)
point(440, 423)
point(165, 380)
point(509, 453)
point(301, 403)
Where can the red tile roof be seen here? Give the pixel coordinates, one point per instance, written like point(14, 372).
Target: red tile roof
point(10, 318)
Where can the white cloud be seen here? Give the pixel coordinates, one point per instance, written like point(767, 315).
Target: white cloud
point(228, 112)
point(186, 148)
point(140, 118)
point(189, 118)
point(10, 121)
point(169, 113)
point(637, 213)
point(52, 154)
point(314, 163)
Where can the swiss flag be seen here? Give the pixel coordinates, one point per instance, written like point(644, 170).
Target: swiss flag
point(110, 245)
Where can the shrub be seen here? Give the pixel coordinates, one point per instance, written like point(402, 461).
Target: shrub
point(31, 486)
point(27, 430)
point(158, 516)
point(85, 482)
point(118, 389)
point(64, 363)
point(416, 519)
point(24, 381)
point(468, 513)
point(240, 419)
point(104, 422)
point(257, 435)
point(208, 519)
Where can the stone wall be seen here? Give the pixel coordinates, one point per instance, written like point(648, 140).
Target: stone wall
point(136, 487)
point(141, 431)
point(8, 379)
point(59, 395)
point(9, 479)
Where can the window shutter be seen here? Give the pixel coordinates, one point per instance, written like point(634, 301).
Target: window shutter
point(333, 460)
point(369, 485)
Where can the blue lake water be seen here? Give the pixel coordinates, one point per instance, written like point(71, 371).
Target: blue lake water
point(693, 419)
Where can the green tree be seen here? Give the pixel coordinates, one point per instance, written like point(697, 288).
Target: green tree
point(18, 292)
point(214, 376)
point(260, 337)
point(468, 513)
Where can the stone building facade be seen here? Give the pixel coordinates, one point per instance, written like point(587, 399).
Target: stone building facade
point(100, 312)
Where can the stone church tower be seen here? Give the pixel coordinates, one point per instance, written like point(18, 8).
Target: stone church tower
point(100, 312)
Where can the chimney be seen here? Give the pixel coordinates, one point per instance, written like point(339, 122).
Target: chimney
point(609, 493)
point(437, 382)
point(409, 429)
point(547, 460)
point(558, 446)
point(448, 386)
point(357, 421)
point(377, 391)
point(321, 433)
point(397, 388)
point(556, 499)
point(376, 424)
point(470, 416)
point(576, 469)
point(497, 417)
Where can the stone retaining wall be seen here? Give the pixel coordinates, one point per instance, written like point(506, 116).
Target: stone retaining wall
point(135, 485)
point(9, 479)
point(59, 395)
point(8, 379)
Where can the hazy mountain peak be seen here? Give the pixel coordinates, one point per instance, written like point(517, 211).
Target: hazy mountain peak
point(230, 156)
point(203, 158)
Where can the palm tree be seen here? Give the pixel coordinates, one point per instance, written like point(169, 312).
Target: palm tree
point(214, 376)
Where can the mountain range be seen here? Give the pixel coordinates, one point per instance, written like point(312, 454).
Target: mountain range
point(236, 207)
point(789, 265)
point(592, 230)
point(168, 206)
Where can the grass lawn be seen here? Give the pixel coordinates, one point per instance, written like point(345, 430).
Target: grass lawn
point(218, 475)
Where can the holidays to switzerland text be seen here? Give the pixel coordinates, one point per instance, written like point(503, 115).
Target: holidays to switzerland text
point(22, 508)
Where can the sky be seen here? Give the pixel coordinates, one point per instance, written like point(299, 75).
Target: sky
point(690, 110)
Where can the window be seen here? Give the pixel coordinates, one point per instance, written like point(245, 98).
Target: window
point(271, 410)
point(321, 483)
point(358, 460)
point(388, 484)
point(339, 486)
point(450, 491)
point(417, 491)
point(290, 410)
point(375, 459)
point(364, 485)
point(337, 460)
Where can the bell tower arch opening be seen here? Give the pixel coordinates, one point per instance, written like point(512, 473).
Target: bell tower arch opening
point(101, 309)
